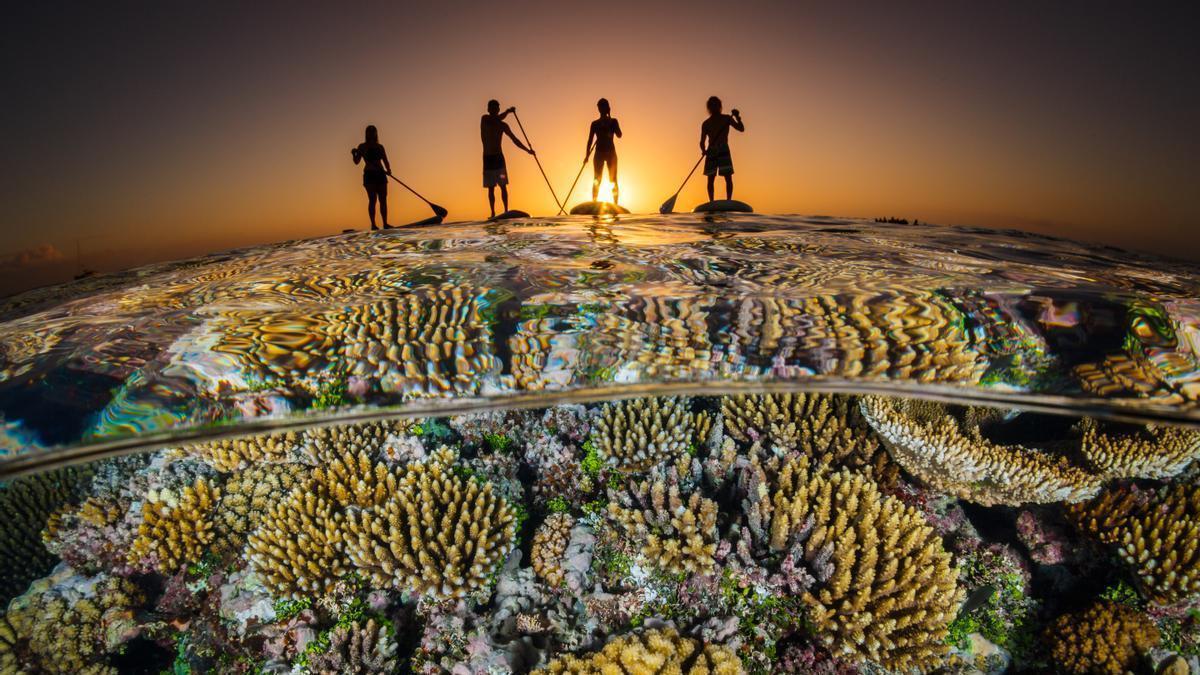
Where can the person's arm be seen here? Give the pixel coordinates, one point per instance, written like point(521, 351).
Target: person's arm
point(511, 109)
point(617, 129)
point(591, 135)
point(519, 144)
point(703, 138)
point(735, 120)
point(387, 166)
point(356, 155)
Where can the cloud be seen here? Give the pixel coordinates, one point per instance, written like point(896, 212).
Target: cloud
point(32, 257)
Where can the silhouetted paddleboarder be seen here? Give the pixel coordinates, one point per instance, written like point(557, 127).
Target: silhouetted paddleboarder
point(375, 173)
point(603, 130)
point(492, 130)
point(714, 143)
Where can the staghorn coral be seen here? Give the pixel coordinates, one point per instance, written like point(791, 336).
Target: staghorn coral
point(233, 454)
point(635, 435)
point(950, 455)
point(888, 590)
point(26, 507)
point(653, 651)
point(68, 624)
point(323, 444)
point(245, 497)
point(1151, 452)
point(297, 548)
point(1104, 516)
point(675, 533)
point(367, 648)
point(828, 427)
point(1107, 638)
point(438, 534)
point(175, 530)
point(352, 479)
point(549, 546)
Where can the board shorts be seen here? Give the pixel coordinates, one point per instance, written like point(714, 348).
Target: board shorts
point(375, 181)
point(495, 172)
point(718, 161)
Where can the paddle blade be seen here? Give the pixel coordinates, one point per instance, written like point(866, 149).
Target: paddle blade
point(439, 210)
point(669, 205)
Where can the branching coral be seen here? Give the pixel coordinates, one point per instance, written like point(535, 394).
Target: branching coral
point(888, 590)
point(829, 428)
point(297, 548)
point(950, 455)
point(1105, 639)
point(245, 497)
point(26, 505)
point(652, 651)
point(676, 533)
point(71, 626)
point(233, 454)
point(549, 544)
point(358, 649)
point(635, 435)
point(438, 533)
point(175, 529)
point(1151, 452)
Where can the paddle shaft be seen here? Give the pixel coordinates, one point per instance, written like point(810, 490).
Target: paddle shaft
point(539, 162)
point(689, 176)
point(406, 187)
point(579, 175)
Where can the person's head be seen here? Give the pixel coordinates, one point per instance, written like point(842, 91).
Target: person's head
point(713, 105)
point(493, 107)
point(372, 134)
point(603, 107)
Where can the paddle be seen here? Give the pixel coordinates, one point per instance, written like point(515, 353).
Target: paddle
point(669, 205)
point(567, 199)
point(439, 211)
point(539, 162)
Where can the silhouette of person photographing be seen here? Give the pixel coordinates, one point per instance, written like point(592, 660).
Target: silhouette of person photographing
point(714, 143)
point(603, 130)
point(375, 173)
point(492, 130)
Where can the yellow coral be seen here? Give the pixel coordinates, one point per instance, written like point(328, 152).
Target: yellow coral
point(652, 651)
point(1151, 452)
point(549, 543)
point(297, 548)
point(234, 454)
point(175, 531)
point(438, 533)
point(677, 534)
point(951, 456)
point(1104, 639)
point(245, 497)
point(637, 434)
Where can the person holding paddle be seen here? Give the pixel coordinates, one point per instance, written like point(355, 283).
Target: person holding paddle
point(714, 144)
point(375, 173)
point(602, 131)
point(492, 130)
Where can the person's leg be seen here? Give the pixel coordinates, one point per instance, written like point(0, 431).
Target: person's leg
point(711, 179)
point(729, 186)
point(371, 207)
point(597, 172)
point(492, 199)
point(504, 194)
point(612, 177)
point(383, 208)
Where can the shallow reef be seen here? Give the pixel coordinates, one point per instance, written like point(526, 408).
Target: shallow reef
point(764, 533)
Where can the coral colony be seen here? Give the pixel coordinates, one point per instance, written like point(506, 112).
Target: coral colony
point(781, 533)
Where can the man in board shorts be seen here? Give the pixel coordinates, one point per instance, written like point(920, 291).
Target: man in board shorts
point(492, 130)
point(603, 130)
point(714, 143)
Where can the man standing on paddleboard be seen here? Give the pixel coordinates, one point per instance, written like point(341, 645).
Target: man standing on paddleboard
point(714, 143)
point(603, 130)
point(375, 172)
point(492, 130)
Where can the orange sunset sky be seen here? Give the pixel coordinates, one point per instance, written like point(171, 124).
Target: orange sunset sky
point(141, 132)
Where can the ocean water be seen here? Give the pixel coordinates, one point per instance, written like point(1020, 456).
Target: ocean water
point(762, 444)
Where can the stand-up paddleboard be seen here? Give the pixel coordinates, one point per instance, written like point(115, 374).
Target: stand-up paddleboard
point(598, 209)
point(724, 206)
point(432, 220)
point(507, 215)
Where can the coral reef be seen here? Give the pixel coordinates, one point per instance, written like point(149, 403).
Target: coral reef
point(297, 548)
point(245, 497)
point(678, 534)
point(357, 649)
point(661, 650)
point(549, 546)
point(26, 506)
point(438, 533)
point(1106, 639)
point(950, 455)
point(175, 529)
point(234, 454)
point(635, 435)
point(1150, 452)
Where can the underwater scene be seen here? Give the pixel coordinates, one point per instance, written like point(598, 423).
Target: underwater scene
point(686, 444)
